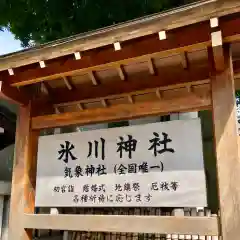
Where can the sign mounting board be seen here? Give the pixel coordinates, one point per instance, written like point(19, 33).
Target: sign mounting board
point(152, 165)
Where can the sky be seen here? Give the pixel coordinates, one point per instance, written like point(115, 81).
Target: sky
point(7, 43)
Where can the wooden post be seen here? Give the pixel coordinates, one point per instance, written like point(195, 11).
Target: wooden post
point(24, 175)
point(226, 142)
point(1, 213)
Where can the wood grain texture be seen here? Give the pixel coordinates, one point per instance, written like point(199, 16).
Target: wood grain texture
point(179, 39)
point(138, 82)
point(13, 94)
point(124, 223)
point(188, 102)
point(173, 19)
point(227, 149)
point(24, 172)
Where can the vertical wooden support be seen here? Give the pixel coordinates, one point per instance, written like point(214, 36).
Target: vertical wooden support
point(24, 175)
point(226, 143)
point(1, 213)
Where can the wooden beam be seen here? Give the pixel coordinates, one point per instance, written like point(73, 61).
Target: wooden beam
point(177, 18)
point(1, 213)
point(80, 106)
point(151, 66)
point(227, 23)
point(45, 88)
point(57, 111)
point(135, 83)
point(42, 106)
point(121, 72)
point(189, 102)
point(117, 223)
point(68, 83)
point(104, 102)
point(158, 93)
point(227, 149)
point(93, 78)
point(178, 40)
point(217, 49)
point(13, 94)
point(24, 176)
point(130, 99)
point(184, 60)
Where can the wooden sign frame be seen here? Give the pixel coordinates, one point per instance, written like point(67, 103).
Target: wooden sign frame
point(216, 92)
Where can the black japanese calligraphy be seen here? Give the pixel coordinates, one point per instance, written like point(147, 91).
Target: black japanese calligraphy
point(96, 148)
point(128, 146)
point(76, 198)
point(138, 198)
point(143, 167)
point(84, 198)
point(78, 171)
point(90, 170)
point(66, 152)
point(70, 188)
point(102, 188)
point(127, 187)
point(158, 167)
point(118, 187)
point(157, 142)
point(164, 186)
point(148, 197)
point(86, 188)
point(174, 185)
point(128, 198)
point(132, 168)
point(119, 198)
point(92, 198)
point(56, 189)
point(68, 172)
point(120, 169)
point(63, 188)
point(94, 188)
point(101, 198)
point(136, 187)
point(101, 170)
point(133, 190)
point(154, 186)
point(110, 198)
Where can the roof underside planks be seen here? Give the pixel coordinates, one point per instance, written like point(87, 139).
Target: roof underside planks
point(173, 19)
point(145, 67)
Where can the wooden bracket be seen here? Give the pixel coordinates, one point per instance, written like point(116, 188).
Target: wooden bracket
point(13, 94)
point(77, 55)
point(217, 45)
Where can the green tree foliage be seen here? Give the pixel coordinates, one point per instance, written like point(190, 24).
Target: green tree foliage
point(46, 20)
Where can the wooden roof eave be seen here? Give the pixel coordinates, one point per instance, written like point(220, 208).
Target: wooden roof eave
point(13, 94)
point(182, 39)
point(182, 16)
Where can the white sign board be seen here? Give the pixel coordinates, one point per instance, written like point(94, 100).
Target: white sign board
point(154, 165)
